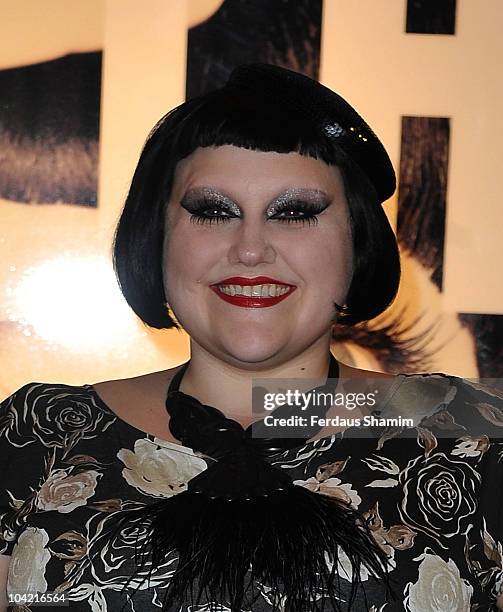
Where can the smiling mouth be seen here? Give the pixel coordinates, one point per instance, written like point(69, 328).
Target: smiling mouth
point(269, 290)
point(253, 296)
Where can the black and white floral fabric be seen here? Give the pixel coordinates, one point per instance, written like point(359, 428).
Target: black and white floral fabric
point(432, 496)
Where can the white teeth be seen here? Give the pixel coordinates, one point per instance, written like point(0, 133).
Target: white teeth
point(254, 290)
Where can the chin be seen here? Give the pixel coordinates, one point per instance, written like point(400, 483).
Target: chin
point(255, 351)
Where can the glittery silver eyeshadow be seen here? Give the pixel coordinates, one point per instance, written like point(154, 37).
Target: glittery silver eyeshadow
point(197, 199)
point(315, 197)
point(191, 201)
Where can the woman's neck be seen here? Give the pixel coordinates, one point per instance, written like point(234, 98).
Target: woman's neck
point(228, 386)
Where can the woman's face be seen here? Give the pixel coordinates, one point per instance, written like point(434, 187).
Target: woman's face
point(240, 213)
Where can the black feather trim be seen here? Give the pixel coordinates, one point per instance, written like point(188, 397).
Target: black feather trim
point(288, 540)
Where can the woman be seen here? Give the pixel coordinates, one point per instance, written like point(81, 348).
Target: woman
point(254, 214)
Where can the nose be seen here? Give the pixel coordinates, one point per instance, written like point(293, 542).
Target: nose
point(250, 245)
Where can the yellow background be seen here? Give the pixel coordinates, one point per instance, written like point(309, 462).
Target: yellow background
point(61, 316)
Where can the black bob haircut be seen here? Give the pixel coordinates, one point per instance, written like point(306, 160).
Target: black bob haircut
point(216, 119)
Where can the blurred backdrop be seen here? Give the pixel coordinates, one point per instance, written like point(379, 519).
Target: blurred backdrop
point(81, 85)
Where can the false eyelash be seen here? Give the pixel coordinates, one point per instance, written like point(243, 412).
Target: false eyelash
point(307, 220)
point(203, 205)
point(389, 341)
point(309, 209)
point(199, 218)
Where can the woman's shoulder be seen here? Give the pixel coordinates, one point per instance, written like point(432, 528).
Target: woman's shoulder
point(121, 391)
point(124, 397)
point(144, 385)
point(33, 394)
point(44, 414)
point(452, 403)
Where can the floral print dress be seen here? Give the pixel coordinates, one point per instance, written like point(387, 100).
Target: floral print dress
point(432, 496)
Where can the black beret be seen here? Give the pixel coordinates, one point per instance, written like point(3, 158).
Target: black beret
point(327, 111)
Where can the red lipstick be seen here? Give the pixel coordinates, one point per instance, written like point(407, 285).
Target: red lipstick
point(246, 301)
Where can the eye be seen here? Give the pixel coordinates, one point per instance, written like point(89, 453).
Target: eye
point(298, 212)
point(207, 212)
point(210, 213)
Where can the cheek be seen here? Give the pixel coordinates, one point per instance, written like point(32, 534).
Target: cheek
point(345, 258)
point(188, 258)
point(327, 264)
point(175, 266)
